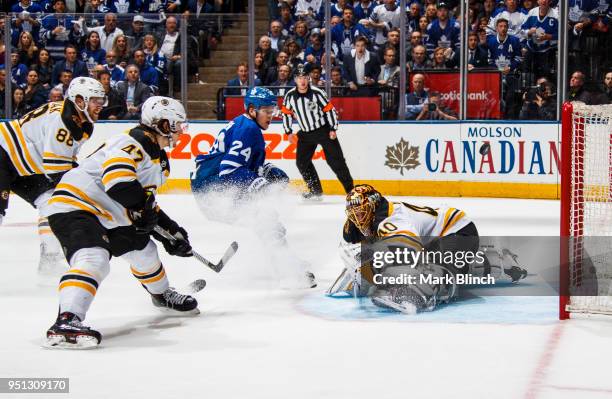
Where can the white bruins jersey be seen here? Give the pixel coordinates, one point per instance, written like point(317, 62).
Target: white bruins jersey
point(122, 158)
point(420, 223)
point(45, 140)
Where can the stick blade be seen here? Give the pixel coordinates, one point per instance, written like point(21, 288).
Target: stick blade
point(229, 252)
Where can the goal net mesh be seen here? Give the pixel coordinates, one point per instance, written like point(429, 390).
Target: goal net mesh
point(590, 219)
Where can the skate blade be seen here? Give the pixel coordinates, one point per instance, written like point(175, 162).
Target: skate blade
point(405, 308)
point(59, 342)
point(178, 313)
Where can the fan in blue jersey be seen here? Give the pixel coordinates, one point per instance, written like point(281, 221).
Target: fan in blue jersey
point(541, 31)
point(443, 31)
point(505, 53)
point(236, 167)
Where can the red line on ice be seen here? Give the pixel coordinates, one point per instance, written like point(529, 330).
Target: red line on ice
point(539, 375)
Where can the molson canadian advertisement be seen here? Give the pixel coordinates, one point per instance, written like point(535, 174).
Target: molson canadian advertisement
point(448, 159)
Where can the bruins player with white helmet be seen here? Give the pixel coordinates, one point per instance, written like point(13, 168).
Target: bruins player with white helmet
point(106, 207)
point(36, 150)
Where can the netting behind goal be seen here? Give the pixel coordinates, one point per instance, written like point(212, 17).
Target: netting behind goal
point(586, 209)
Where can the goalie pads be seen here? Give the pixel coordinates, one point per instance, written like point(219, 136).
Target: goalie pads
point(502, 264)
point(430, 286)
point(350, 281)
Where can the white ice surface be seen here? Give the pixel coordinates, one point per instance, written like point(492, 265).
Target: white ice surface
point(254, 340)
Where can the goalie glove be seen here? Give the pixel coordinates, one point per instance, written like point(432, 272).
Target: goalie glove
point(145, 219)
point(180, 246)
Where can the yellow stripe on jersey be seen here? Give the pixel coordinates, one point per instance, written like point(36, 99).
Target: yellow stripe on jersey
point(84, 200)
point(109, 177)
point(117, 160)
point(60, 199)
point(57, 167)
point(24, 148)
point(51, 155)
point(451, 217)
point(412, 239)
point(12, 151)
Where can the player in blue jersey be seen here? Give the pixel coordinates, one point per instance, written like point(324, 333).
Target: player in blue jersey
point(235, 167)
point(237, 157)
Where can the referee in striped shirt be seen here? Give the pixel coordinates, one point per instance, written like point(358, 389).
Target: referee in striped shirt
point(318, 123)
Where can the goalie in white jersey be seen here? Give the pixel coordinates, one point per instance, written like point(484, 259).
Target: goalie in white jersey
point(106, 207)
point(371, 216)
point(36, 150)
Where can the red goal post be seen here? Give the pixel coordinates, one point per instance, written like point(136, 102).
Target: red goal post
point(586, 210)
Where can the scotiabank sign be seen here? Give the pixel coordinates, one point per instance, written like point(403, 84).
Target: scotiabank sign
point(348, 108)
point(484, 92)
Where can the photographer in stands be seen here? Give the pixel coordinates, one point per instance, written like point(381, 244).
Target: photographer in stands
point(432, 110)
point(540, 103)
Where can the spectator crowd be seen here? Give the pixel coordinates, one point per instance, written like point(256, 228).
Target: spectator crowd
point(132, 46)
point(516, 39)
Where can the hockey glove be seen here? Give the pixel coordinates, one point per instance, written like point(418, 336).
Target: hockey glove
point(179, 246)
point(257, 185)
point(145, 219)
point(273, 174)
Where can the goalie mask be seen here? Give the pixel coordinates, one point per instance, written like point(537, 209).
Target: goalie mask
point(158, 109)
point(361, 204)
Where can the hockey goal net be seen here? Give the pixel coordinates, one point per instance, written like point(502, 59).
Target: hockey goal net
point(586, 210)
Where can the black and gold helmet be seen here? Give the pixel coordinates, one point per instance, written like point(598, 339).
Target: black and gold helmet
point(361, 204)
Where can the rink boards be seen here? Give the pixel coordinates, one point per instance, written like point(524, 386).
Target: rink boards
point(473, 159)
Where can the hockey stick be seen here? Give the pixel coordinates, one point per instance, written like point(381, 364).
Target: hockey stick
point(229, 252)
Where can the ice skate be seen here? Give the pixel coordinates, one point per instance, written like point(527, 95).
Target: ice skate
point(51, 263)
point(69, 333)
point(312, 197)
point(179, 304)
point(311, 282)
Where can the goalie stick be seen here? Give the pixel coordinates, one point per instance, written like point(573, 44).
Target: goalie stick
point(229, 252)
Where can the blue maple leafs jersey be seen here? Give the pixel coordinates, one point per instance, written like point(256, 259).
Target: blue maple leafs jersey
point(237, 154)
point(443, 37)
point(549, 25)
point(506, 53)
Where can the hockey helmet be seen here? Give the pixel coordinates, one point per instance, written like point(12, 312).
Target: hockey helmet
point(157, 109)
point(86, 88)
point(259, 97)
point(361, 204)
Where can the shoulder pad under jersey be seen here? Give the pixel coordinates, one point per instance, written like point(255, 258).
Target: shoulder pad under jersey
point(145, 139)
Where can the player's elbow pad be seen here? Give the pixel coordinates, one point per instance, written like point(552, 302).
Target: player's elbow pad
point(130, 194)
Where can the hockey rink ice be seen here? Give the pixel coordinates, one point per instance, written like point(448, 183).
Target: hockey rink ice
point(255, 340)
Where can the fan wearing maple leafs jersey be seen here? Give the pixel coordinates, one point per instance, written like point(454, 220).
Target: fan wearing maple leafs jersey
point(504, 49)
point(505, 54)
